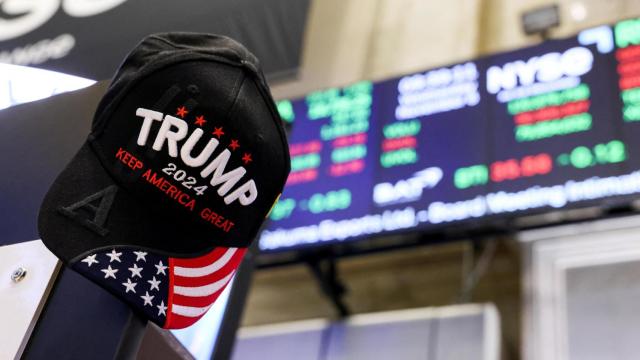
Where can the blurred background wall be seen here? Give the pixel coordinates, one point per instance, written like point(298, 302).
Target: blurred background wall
point(351, 40)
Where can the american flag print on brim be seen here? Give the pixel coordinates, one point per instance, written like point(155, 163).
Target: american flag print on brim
point(172, 292)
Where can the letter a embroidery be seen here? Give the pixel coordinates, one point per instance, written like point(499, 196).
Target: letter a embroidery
point(92, 211)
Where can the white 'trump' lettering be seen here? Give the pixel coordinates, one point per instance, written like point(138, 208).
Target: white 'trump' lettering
point(173, 131)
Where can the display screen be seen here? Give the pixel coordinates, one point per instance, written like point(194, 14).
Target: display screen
point(546, 127)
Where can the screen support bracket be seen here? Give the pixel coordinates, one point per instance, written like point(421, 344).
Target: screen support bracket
point(325, 272)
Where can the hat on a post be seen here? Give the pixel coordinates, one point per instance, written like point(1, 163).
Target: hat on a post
point(186, 156)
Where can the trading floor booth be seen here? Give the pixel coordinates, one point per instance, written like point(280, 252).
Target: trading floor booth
point(581, 291)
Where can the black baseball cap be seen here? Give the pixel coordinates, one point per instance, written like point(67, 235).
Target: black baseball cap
point(186, 157)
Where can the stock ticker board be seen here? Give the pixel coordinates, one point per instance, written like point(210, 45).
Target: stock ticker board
point(541, 128)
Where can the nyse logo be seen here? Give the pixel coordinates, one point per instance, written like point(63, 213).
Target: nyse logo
point(19, 17)
point(552, 66)
point(407, 190)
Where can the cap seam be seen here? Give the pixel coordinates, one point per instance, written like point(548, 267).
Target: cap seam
point(283, 137)
point(157, 251)
point(177, 46)
point(237, 86)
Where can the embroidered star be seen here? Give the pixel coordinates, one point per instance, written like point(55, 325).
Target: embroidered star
point(140, 255)
point(161, 268)
point(147, 298)
point(162, 308)
point(182, 111)
point(200, 120)
point(109, 272)
point(135, 271)
point(246, 158)
point(234, 145)
point(91, 259)
point(130, 286)
point(218, 132)
point(113, 255)
point(154, 283)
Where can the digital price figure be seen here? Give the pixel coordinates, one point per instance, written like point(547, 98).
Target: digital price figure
point(433, 123)
point(331, 166)
point(627, 56)
point(554, 133)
